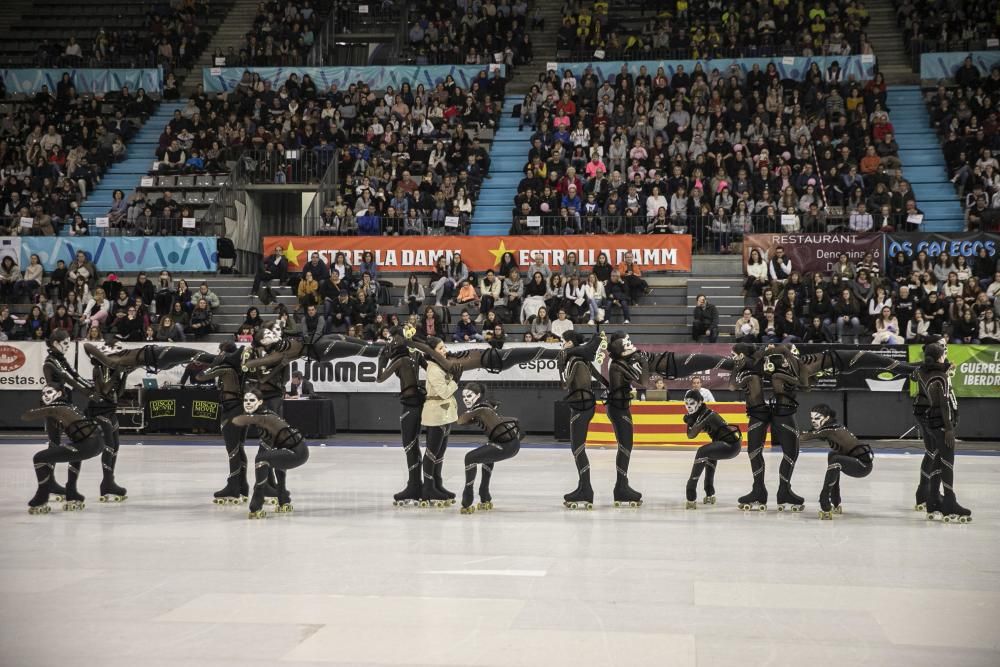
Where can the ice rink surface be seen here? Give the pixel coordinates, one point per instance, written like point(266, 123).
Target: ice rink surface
point(168, 578)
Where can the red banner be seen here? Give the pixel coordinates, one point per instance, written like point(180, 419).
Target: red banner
point(654, 252)
point(815, 252)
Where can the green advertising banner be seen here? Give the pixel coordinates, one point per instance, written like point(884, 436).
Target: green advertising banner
point(977, 369)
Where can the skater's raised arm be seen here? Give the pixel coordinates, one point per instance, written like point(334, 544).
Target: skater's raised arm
point(63, 413)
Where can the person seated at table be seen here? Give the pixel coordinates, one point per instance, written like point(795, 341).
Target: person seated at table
point(299, 387)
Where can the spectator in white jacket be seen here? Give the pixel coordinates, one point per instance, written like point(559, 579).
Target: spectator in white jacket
point(655, 202)
point(95, 312)
point(593, 291)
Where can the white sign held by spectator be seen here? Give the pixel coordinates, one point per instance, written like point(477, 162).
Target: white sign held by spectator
point(867, 57)
point(551, 67)
point(215, 71)
point(915, 218)
point(599, 54)
point(147, 182)
point(220, 61)
point(27, 222)
point(788, 60)
point(188, 223)
point(534, 221)
point(362, 9)
point(498, 57)
point(451, 221)
point(102, 222)
point(992, 43)
point(495, 68)
point(789, 222)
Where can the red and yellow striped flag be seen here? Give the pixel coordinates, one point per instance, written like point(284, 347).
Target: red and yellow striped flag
point(661, 424)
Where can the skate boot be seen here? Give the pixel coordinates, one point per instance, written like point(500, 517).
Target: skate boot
point(581, 498)
point(953, 512)
point(230, 494)
point(755, 501)
point(709, 498)
point(257, 505)
point(835, 499)
point(825, 508)
point(432, 496)
point(933, 504)
point(921, 496)
point(626, 496)
point(467, 497)
point(408, 496)
point(284, 502)
point(485, 499)
point(443, 491)
point(111, 492)
point(786, 497)
point(691, 493)
point(40, 503)
point(270, 492)
point(57, 492)
point(74, 500)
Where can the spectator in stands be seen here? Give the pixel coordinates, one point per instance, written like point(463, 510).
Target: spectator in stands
point(272, 267)
point(618, 296)
point(10, 276)
point(253, 319)
point(747, 328)
point(429, 325)
point(83, 267)
point(705, 320)
point(465, 329)
point(779, 268)
point(757, 274)
point(989, 328)
point(847, 316)
point(313, 324)
point(168, 331)
point(632, 276)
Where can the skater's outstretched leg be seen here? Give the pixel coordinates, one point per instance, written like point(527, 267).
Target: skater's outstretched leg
point(579, 423)
point(621, 423)
point(756, 433)
point(154, 357)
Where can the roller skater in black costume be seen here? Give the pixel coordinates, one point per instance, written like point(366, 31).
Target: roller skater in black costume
point(227, 369)
point(59, 373)
point(86, 442)
point(503, 441)
point(936, 405)
point(744, 378)
point(847, 456)
point(397, 360)
point(576, 368)
point(627, 367)
point(493, 359)
point(726, 442)
point(286, 449)
point(440, 411)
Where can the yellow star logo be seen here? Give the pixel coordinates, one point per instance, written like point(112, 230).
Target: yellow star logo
point(292, 255)
point(498, 253)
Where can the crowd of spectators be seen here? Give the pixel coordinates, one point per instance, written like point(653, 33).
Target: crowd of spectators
point(695, 29)
point(947, 26)
point(172, 36)
point(282, 34)
point(479, 33)
point(714, 154)
point(55, 147)
point(965, 118)
point(93, 307)
point(918, 301)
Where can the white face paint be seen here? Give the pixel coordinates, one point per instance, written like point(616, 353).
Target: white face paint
point(627, 346)
point(817, 420)
point(795, 351)
point(50, 395)
point(469, 398)
point(112, 348)
point(63, 346)
point(691, 405)
point(269, 336)
point(251, 403)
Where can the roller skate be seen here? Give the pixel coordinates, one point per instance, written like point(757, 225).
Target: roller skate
point(581, 498)
point(467, 497)
point(755, 501)
point(74, 501)
point(626, 496)
point(270, 493)
point(284, 502)
point(835, 500)
point(934, 504)
point(921, 503)
point(709, 498)
point(443, 491)
point(408, 497)
point(786, 497)
point(111, 492)
point(953, 512)
point(230, 494)
point(57, 492)
point(825, 508)
point(257, 505)
point(39, 504)
point(485, 503)
point(432, 496)
point(691, 493)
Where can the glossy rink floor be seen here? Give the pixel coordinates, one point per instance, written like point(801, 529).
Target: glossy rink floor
point(170, 579)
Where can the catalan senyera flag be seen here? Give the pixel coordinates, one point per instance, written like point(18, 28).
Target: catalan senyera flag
point(661, 424)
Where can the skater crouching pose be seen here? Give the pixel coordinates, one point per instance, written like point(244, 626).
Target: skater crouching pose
point(503, 441)
point(85, 441)
point(577, 372)
point(285, 449)
point(847, 456)
point(397, 360)
point(61, 375)
point(936, 409)
point(726, 442)
point(440, 411)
